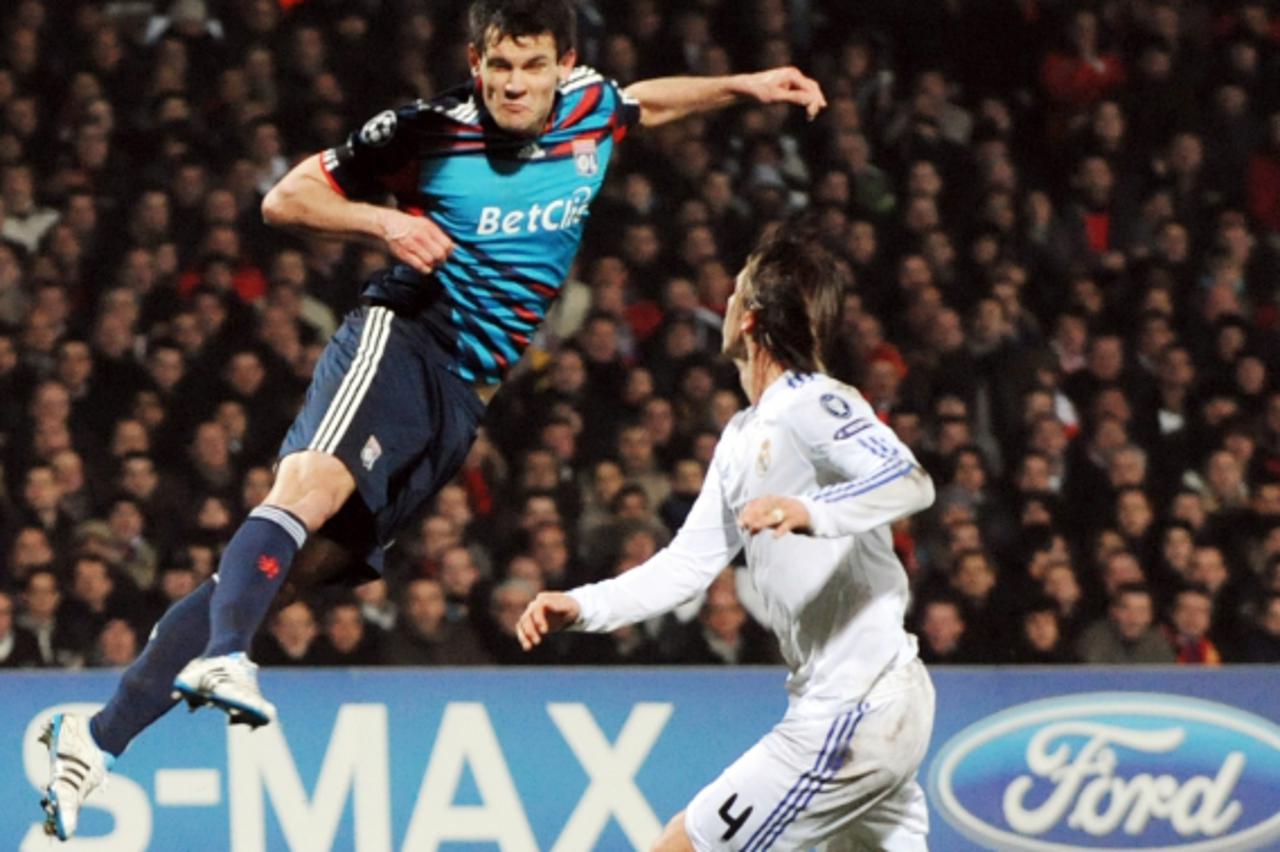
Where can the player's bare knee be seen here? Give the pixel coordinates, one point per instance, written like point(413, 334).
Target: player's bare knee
point(313, 486)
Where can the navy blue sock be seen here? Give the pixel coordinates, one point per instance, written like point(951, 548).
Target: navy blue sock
point(143, 693)
point(252, 570)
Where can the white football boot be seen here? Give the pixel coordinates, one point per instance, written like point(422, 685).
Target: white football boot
point(229, 683)
point(77, 767)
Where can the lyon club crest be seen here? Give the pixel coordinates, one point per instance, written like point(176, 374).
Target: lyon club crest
point(584, 157)
point(371, 453)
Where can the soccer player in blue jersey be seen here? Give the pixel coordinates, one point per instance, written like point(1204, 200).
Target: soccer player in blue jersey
point(491, 184)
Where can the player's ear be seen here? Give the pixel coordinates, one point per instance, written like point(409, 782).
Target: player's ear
point(566, 62)
point(473, 59)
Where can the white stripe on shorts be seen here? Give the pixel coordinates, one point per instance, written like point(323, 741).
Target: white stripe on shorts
point(355, 384)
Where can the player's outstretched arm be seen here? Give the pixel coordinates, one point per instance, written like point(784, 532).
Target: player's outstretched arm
point(666, 99)
point(304, 199)
point(706, 542)
point(549, 612)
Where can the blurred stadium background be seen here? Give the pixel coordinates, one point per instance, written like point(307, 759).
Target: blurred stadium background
point(1061, 223)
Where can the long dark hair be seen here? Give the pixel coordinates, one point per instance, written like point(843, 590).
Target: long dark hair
point(795, 287)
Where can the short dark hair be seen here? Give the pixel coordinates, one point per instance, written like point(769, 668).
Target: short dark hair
point(124, 497)
point(1191, 588)
point(943, 599)
point(489, 20)
point(91, 558)
point(38, 464)
point(796, 289)
point(135, 455)
point(69, 340)
point(338, 599)
point(629, 489)
point(159, 343)
point(970, 553)
point(1131, 589)
point(39, 570)
point(1039, 604)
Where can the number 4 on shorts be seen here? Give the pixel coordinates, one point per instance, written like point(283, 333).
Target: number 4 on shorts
point(734, 822)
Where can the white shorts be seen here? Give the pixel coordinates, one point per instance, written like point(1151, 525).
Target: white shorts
point(846, 783)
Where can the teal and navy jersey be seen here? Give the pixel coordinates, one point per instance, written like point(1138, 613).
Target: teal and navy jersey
point(514, 207)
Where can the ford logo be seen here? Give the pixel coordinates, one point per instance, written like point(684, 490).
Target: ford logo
point(1113, 771)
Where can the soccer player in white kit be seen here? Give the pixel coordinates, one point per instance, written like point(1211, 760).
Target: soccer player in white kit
point(807, 481)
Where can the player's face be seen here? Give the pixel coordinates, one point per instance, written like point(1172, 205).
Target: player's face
point(733, 335)
point(518, 79)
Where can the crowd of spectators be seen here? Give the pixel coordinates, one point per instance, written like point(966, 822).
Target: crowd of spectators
point(1060, 223)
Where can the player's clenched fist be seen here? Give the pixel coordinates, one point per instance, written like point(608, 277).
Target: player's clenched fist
point(780, 514)
point(547, 613)
point(415, 240)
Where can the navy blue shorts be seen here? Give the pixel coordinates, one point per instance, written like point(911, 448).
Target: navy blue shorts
point(384, 402)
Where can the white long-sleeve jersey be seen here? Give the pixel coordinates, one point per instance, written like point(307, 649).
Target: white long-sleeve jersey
point(835, 598)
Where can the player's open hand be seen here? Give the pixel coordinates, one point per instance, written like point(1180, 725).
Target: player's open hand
point(415, 240)
point(785, 85)
point(547, 613)
point(780, 514)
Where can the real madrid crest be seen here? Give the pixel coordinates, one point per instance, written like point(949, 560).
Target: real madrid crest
point(764, 458)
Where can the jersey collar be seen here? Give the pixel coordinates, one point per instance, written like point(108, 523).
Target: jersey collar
point(775, 395)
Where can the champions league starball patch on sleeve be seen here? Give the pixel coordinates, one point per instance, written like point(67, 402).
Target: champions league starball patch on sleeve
point(837, 406)
point(378, 130)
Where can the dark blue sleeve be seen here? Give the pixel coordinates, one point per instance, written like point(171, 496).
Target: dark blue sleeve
point(379, 158)
point(626, 110)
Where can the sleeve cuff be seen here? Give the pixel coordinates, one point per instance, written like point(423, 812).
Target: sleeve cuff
point(819, 517)
point(583, 600)
point(328, 160)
